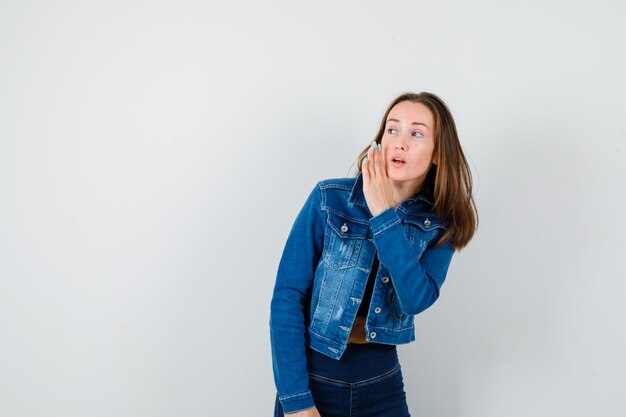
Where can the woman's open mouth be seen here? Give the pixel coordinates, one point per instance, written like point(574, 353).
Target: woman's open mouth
point(397, 162)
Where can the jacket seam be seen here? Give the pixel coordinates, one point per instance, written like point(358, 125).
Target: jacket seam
point(344, 216)
point(382, 229)
point(391, 329)
point(335, 185)
point(323, 337)
point(287, 397)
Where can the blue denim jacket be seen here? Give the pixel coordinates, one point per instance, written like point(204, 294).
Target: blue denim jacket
point(324, 270)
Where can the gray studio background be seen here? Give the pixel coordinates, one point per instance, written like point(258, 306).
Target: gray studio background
point(153, 156)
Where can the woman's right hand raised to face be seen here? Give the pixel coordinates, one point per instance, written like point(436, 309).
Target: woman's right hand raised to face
point(309, 412)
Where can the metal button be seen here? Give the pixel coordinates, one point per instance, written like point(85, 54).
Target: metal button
point(426, 222)
point(410, 202)
point(373, 335)
point(377, 310)
point(385, 280)
point(344, 228)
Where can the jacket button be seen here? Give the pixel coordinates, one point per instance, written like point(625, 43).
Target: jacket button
point(373, 335)
point(385, 280)
point(344, 228)
point(377, 310)
point(426, 222)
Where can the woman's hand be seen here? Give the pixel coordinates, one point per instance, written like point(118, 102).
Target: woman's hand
point(376, 185)
point(309, 412)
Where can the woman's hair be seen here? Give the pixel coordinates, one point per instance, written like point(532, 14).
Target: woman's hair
point(449, 180)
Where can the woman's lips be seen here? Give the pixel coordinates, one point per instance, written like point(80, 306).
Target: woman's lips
point(397, 164)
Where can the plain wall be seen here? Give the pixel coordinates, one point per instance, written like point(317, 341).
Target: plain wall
point(153, 157)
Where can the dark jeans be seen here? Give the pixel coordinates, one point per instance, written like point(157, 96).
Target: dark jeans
point(365, 382)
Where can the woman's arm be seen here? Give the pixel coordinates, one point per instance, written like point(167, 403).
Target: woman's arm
point(416, 279)
point(292, 292)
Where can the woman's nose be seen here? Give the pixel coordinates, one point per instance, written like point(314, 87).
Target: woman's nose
point(400, 145)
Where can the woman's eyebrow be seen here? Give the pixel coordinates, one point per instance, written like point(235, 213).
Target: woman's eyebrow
point(414, 123)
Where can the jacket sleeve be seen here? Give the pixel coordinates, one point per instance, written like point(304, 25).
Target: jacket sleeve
point(416, 280)
point(292, 293)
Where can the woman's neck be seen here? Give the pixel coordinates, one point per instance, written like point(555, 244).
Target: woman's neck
point(403, 191)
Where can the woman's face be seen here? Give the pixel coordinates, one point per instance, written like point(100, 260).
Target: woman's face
point(409, 136)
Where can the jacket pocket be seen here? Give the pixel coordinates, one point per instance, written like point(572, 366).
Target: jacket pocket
point(424, 222)
point(421, 230)
point(343, 239)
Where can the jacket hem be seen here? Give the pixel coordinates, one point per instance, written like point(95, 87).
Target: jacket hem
point(297, 402)
point(326, 346)
point(384, 335)
point(391, 336)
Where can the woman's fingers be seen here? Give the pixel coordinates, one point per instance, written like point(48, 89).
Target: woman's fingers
point(376, 167)
point(373, 165)
point(383, 165)
point(367, 166)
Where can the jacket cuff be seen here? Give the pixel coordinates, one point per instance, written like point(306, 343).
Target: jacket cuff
point(297, 402)
point(384, 220)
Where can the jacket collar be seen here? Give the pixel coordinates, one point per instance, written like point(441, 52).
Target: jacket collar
point(357, 197)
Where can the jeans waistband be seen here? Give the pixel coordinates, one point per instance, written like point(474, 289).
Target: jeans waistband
point(359, 362)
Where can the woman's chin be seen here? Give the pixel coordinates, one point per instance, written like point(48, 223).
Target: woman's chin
point(393, 176)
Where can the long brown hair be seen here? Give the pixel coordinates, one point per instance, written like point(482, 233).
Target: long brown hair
point(449, 180)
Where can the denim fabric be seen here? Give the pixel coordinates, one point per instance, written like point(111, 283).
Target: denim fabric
point(367, 381)
point(323, 272)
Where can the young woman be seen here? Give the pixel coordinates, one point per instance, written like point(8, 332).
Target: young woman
point(364, 256)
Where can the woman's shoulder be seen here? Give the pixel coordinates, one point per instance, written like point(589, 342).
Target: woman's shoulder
point(345, 183)
point(333, 192)
point(343, 196)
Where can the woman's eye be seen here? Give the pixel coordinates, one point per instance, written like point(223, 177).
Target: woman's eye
point(391, 130)
point(418, 134)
